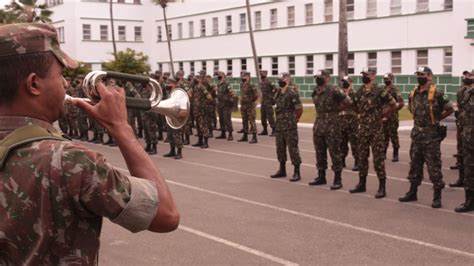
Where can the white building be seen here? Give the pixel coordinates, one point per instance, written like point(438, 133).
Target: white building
point(298, 36)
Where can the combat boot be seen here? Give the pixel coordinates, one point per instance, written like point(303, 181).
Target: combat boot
point(94, 138)
point(469, 204)
point(337, 181)
point(148, 147)
point(230, 137)
point(152, 149)
point(211, 133)
point(460, 181)
point(264, 132)
point(240, 131)
point(109, 141)
point(205, 143)
point(244, 138)
point(320, 180)
point(296, 174)
point(172, 153)
point(199, 143)
point(84, 136)
point(140, 133)
point(344, 163)
point(281, 172)
point(100, 138)
point(411, 194)
point(254, 138)
point(179, 154)
point(160, 135)
point(436, 199)
point(395, 155)
point(222, 136)
point(361, 186)
point(186, 140)
point(381, 193)
point(272, 134)
point(113, 144)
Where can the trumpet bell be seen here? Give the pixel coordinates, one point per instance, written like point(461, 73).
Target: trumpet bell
point(176, 108)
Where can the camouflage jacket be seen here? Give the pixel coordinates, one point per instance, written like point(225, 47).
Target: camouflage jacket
point(53, 195)
point(349, 110)
point(268, 90)
point(225, 94)
point(459, 100)
point(395, 92)
point(467, 105)
point(420, 107)
point(286, 105)
point(369, 104)
point(200, 97)
point(248, 94)
point(326, 102)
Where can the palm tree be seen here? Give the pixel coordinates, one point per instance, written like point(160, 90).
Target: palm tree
point(252, 40)
point(113, 29)
point(28, 11)
point(164, 4)
point(343, 46)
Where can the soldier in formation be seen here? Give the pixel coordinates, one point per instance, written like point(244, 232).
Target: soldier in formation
point(267, 89)
point(248, 103)
point(225, 102)
point(349, 125)
point(391, 123)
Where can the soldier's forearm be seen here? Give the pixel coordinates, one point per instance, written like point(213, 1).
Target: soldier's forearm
point(447, 113)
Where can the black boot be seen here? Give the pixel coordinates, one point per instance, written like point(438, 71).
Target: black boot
point(454, 167)
point(230, 137)
point(148, 147)
point(381, 193)
point(244, 138)
point(140, 133)
point(395, 155)
point(411, 194)
point(281, 172)
point(264, 132)
point(337, 181)
point(199, 143)
point(179, 154)
point(320, 180)
point(112, 143)
point(152, 149)
point(361, 186)
point(172, 153)
point(469, 204)
point(84, 136)
point(254, 138)
point(273, 132)
point(436, 199)
point(100, 138)
point(94, 138)
point(241, 131)
point(296, 174)
point(211, 132)
point(160, 135)
point(460, 181)
point(344, 163)
point(222, 136)
point(186, 140)
point(205, 143)
point(109, 141)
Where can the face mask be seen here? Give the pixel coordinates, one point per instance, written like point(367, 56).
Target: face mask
point(366, 79)
point(263, 76)
point(282, 83)
point(320, 81)
point(168, 87)
point(468, 82)
point(422, 81)
point(345, 84)
point(220, 77)
point(244, 80)
point(387, 82)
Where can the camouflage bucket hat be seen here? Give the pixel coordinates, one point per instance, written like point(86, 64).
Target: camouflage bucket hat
point(26, 38)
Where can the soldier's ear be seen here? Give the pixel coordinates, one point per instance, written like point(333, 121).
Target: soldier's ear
point(33, 84)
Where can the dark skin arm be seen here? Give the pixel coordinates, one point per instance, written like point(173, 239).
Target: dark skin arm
point(447, 113)
point(392, 108)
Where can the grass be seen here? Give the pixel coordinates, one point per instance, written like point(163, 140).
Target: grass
point(309, 114)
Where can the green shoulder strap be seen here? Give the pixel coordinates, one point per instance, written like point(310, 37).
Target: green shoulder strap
point(23, 135)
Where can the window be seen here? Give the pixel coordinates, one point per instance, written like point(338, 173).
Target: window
point(204, 65)
point(421, 58)
point(273, 19)
point(160, 34)
point(397, 62)
point(258, 20)
point(216, 65)
point(309, 64)
point(448, 4)
point(121, 1)
point(372, 60)
point(328, 10)
point(470, 28)
point(86, 31)
point(448, 61)
point(259, 60)
point(228, 24)
point(350, 63)
point(308, 13)
point(350, 9)
point(291, 65)
point(371, 8)
point(170, 32)
point(215, 26)
point(191, 29)
point(160, 66)
point(191, 67)
point(275, 66)
point(422, 5)
point(181, 66)
point(229, 67)
point(104, 32)
point(243, 22)
point(203, 27)
point(180, 31)
point(243, 64)
point(291, 16)
point(329, 63)
point(122, 34)
point(137, 2)
point(138, 34)
point(60, 34)
point(395, 7)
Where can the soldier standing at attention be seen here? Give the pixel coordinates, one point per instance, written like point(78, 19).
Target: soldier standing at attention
point(328, 101)
point(288, 112)
point(175, 135)
point(184, 84)
point(201, 99)
point(248, 103)
point(390, 124)
point(467, 105)
point(428, 106)
point(150, 124)
point(369, 103)
point(266, 107)
point(349, 125)
point(225, 102)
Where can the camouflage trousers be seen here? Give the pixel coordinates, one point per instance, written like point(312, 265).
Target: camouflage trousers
point(268, 116)
point(135, 119)
point(349, 131)
point(390, 130)
point(63, 124)
point(225, 118)
point(211, 116)
point(175, 137)
point(371, 137)
point(73, 120)
point(161, 123)
point(150, 127)
point(284, 139)
point(426, 152)
point(202, 125)
point(248, 117)
point(468, 151)
point(459, 146)
point(324, 142)
point(97, 128)
point(83, 125)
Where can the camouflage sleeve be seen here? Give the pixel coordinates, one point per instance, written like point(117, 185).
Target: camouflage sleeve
point(399, 97)
point(443, 101)
point(297, 101)
point(97, 189)
point(386, 97)
point(340, 97)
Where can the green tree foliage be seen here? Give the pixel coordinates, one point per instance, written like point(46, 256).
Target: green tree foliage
point(23, 11)
point(82, 69)
point(129, 61)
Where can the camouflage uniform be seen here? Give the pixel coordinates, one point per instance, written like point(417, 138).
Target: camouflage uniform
point(248, 97)
point(211, 106)
point(72, 111)
point(349, 131)
point(187, 128)
point(83, 124)
point(131, 91)
point(266, 108)
point(390, 125)
point(201, 97)
point(150, 124)
point(225, 102)
point(460, 127)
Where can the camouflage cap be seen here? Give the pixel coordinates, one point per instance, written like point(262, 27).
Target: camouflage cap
point(202, 72)
point(468, 74)
point(388, 76)
point(323, 72)
point(27, 38)
point(220, 73)
point(346, 78)
point(244, 73)
point(166, 74)
point(180, 73)
point(264, 72)
point(171, 80)
point(421, 70)
point(368, 71)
